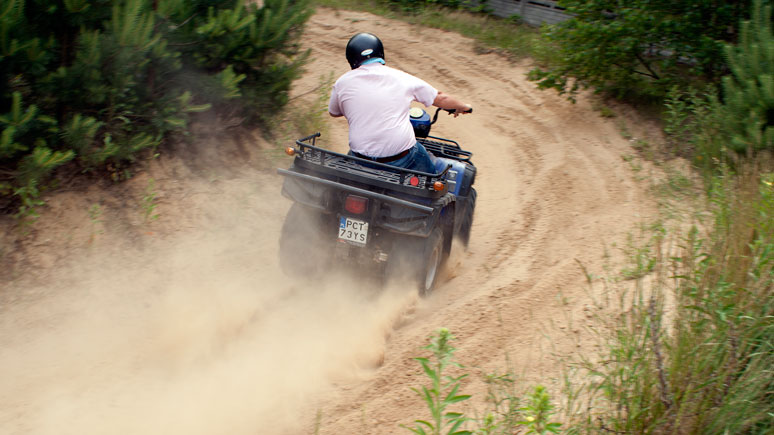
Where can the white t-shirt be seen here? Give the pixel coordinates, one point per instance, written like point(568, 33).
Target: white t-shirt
point(376, 100)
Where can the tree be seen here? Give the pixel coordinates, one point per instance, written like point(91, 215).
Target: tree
point(98, 81)
point(639, 46)
point(748, 103)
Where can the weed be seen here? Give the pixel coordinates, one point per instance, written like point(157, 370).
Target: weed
point(604, 110)
point(636, 166)
point(443, 390)
point(644, 148)
point(589, 276)
point(149, 202)
point(502, 400)
point(305, 114)
point(691, 350)
point(643, 256)
point(95, 216)
point(503, 414)
point(27, 213)
point(538, 413)
point(623, 129)
point(677, 185)
point(312, 116)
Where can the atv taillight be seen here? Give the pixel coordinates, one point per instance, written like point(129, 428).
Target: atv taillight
point(355, 204)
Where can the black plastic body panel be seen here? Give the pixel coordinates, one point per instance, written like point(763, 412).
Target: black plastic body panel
point(399, 200)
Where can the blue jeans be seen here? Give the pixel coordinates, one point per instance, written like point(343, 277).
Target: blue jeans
point(418, 159)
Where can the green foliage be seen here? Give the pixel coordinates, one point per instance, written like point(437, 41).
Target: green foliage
point(149, 202)
point(692, 122)
point(749, 91)
point(693, 350)
point(715, 131)
point(99, 82)
point(640, 47)
point(443, 391)
point(538, 412)
point(255, 49)
point(29, 202)
point(503, 415)
point(42, 161)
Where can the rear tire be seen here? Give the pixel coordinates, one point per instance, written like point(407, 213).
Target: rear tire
point(417, 259)
point(467, 219)
point(306, 242)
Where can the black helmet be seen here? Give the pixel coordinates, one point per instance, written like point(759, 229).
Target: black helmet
point(363, 46)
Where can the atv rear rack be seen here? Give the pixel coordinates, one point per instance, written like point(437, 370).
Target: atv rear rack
point(441, 147)
point(337, 165)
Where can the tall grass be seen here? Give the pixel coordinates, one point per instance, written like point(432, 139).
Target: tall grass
point(505, 412)
point(690, 348)
point(693, 350)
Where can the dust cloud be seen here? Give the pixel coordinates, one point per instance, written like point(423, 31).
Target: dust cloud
point(200, 333)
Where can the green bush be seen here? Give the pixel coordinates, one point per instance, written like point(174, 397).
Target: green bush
point(748, 92)
point(715, 129)
point(641, 47)
point(503, 414)
point(694, 349)
point(100, 81)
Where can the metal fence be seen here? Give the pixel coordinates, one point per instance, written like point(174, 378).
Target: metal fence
point(534, 12)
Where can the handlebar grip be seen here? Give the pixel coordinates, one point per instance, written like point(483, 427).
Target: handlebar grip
point(452, 111)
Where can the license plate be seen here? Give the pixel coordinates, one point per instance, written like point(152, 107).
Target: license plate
point(353, 230)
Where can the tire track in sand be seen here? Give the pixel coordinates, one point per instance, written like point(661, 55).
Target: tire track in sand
point(552, 189)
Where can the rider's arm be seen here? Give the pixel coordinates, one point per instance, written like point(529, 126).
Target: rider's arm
point(334, 108)
point(446, 101)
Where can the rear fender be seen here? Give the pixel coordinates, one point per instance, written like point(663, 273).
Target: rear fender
point(310, 194)
point(395, 213)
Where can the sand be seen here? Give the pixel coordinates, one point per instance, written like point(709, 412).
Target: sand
point(113, 321)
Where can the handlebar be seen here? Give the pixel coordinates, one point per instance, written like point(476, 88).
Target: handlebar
point(449, 111)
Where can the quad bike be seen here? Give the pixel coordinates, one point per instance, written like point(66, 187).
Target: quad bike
point(370, 216)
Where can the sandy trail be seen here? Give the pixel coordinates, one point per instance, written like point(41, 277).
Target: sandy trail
point(553, 189)
point(185, 325)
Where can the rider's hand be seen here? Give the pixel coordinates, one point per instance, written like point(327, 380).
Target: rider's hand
point(468, 109)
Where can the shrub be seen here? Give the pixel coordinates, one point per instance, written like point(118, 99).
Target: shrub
point(100, 81)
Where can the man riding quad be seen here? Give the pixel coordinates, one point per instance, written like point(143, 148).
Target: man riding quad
point(376, 100)
point(393, 204)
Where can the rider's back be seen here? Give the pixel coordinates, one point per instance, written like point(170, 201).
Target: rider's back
point(375, 100)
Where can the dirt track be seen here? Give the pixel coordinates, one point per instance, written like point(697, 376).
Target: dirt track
point(185, 326)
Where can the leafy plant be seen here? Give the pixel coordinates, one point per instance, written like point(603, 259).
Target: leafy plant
point(503, 405)
point(443, 390)
point(638, 47)
point(537, 413)
point(95, 217)
point(702, 365)
point(748, 103)
point(149, 202)
point(715, 131)
point(503, 413)
point(102, 83)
